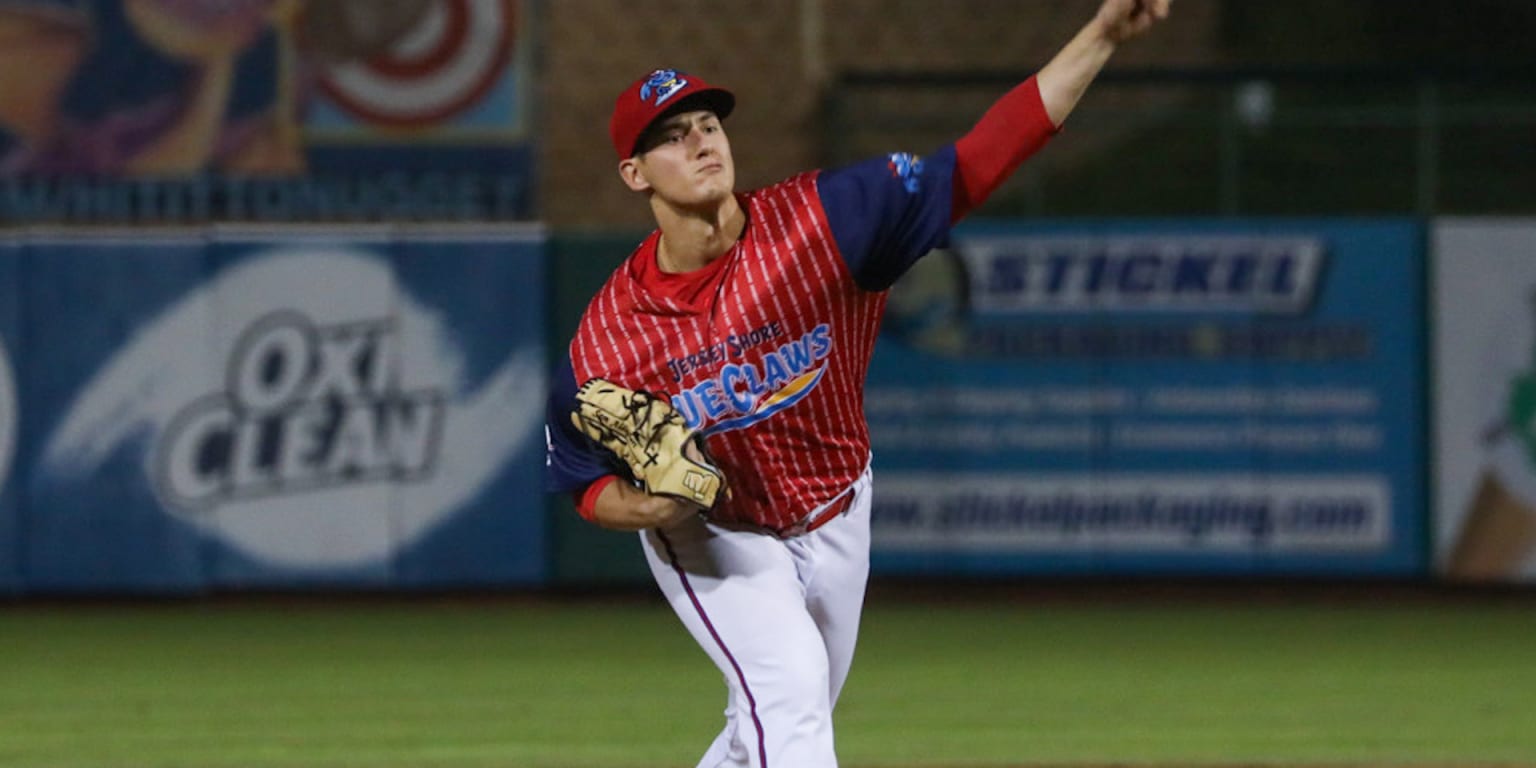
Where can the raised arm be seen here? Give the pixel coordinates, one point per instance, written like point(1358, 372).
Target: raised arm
point(1064, 79)
point(883, 223)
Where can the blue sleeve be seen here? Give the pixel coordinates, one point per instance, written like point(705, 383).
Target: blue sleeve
point(571, 461)
point(887, 212)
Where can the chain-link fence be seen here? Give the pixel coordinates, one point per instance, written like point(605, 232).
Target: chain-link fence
point(1180, 142)
point(781, 57)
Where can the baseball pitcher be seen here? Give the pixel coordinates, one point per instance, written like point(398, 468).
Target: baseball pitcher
point(713, 396)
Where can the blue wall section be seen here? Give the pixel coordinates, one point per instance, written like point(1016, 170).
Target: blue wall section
point(357, 409)
point(361, 408)
point(93, 521)
point(1127, 397)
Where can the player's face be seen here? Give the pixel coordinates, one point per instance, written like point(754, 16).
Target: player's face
point(686, 161)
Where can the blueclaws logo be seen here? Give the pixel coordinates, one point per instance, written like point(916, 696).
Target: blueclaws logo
point(664, 83)
point(743, 394)
point(909, 169)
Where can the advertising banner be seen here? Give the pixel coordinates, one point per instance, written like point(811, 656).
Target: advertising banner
point(186, 111)
point(279, 408)
point(1173, 397)
point(1484, 368)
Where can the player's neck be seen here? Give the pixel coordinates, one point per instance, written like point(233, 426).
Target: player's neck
point(691, 239)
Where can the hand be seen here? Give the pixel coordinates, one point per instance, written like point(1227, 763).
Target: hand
point(1121, 20)
point(644, 431)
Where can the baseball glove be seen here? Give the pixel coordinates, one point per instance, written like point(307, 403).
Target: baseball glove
point(649, 435)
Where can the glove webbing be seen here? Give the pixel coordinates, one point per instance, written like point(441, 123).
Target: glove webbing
point(638, 407)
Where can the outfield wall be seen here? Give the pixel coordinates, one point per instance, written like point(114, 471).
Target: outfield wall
point(189, 411)
point(1220, 397)
point(200, 410)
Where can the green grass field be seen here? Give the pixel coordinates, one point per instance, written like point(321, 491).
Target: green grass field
point(539, 683)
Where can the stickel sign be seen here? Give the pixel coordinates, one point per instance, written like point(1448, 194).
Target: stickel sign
point(1186, 397)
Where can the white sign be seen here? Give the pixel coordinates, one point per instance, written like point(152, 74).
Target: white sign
point(1127, 512)
point(1485, 399)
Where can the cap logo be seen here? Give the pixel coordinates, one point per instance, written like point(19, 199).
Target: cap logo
point(907, 167)
point(664, 83)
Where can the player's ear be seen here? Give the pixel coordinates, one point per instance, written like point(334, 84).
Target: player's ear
point(629, 171)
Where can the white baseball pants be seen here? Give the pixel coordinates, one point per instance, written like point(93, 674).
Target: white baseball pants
point(779, 617)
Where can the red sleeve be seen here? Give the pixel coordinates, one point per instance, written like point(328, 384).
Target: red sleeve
point(586, 500)
point(1012, 130)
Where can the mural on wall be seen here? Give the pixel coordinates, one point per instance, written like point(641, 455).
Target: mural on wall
point(263, 110)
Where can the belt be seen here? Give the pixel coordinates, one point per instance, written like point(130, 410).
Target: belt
point(830, 512)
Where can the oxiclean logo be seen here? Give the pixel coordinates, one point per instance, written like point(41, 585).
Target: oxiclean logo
point(304, 408)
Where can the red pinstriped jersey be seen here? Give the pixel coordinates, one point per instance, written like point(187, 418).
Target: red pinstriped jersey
point(769, 361)
point(765, 349)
